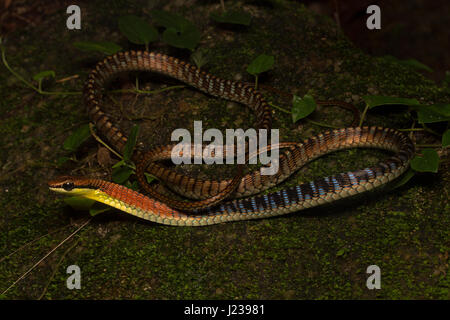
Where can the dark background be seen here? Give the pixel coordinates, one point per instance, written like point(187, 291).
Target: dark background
point(416, 29)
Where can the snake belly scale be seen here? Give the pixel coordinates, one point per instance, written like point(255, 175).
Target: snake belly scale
point(307, 195)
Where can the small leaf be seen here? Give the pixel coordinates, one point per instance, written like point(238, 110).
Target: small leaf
point(199, 59)
point(137, 30)
point(433, 113)
point(404, 179)
point(121, 174)
point(416, 64)
point(98, 208)
point(44, 74)
point(77, 138)
point(427, 162)
point(301, 108)
point(446, 138)
point(170, 20)
point(119, 164)
point(105, 47)
point(261, 64)
point(149, 177)
point(341, 252)
point(133, 186)
point(180, 32)
point(188, 39)
point(375, 101)
point(79, 203)
point(234, 17)
point(409, 62)
point(131, 142)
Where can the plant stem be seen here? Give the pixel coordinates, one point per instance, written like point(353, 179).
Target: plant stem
point(60, 93)
point(96, 137)
point(29, 84)
point(145, 91)
point(363, 115)
point(310, 121)
point(322, 124)
point(56, 268)
point(18, 76)
point(430, 130)
point(279, 108)
point(33, 241)
point(412, 129)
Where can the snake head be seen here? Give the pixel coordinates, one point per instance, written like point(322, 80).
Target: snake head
point(71, 185)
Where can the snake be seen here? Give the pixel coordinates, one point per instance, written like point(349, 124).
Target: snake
point(248, 203)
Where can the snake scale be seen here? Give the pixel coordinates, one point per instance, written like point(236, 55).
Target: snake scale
point(314, 193)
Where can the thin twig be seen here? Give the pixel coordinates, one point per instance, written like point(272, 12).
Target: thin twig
point(136, 90)
point(56, 268)
point(310, 121)
point(322, 124)
point(18, 76)
point(29, 84)
point(279, 108)
point(96, 137)
point(363, 115)
point(412, 129)
point(33, 241)
point(49, 253)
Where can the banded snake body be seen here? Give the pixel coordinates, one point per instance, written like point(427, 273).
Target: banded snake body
point(311, 194)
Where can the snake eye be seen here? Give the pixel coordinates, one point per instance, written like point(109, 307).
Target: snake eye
point(68, 186)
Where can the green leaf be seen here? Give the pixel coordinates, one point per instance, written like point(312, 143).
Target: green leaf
point(133, 186)
point(79, 203)
point(433, 113)
point(149, 177)
point(180, 32)
point(234, 17)
point(446, 138)
point(121, 174)
point(171, 20)
point(301, 108)
point(105, 47)
point(427, 162)
point(44, 74)
point(131, 143)
point(404, 179)
point(98, 208)
point(409, 62)
point(416, 64)
point(261, 64)
point(188, 39)
point(341, 252)
point(77, 138)
point(199, 59)
point(137, 30)
point(375, 101)
point(119, 164)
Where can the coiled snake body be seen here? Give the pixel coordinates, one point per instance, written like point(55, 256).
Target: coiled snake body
point(291, 199)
